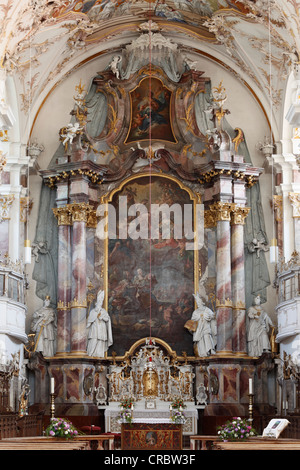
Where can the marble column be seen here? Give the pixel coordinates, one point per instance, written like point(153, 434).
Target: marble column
point(239, 339)
point(64, 280)
point(278, 208)
point(79, 212)
point(222, 211)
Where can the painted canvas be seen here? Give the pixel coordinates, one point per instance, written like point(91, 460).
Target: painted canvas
point(150, 112)
point(151, 281)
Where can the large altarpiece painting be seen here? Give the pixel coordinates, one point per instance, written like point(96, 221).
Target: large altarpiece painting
point(150, 282)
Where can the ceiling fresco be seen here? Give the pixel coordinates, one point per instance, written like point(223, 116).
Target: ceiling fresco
point(189, 11)
point(43, 41)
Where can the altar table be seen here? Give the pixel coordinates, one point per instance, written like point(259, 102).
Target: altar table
point(152, 435)
point(112, 413)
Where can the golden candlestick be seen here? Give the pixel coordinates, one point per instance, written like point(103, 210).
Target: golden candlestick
point(251, 395)
point(52, 406)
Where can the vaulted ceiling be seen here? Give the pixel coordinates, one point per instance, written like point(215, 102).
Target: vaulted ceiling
point(42, 42)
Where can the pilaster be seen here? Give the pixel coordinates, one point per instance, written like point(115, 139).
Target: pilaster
point(238, 217)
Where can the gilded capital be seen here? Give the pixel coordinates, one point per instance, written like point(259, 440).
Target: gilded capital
point(78, 303)
point(63, 215)
point(223, 303)
point(239, 215)
point(80, 211)
point(239, 306)
point(63, 305)
point(222, 210)
point(295, 201)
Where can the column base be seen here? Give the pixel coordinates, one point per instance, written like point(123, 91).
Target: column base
point(78, 354)
point(71, 355)
point(225, 353)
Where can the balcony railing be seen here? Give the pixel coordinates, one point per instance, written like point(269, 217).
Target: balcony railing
point(288, 279)
point(12, 280)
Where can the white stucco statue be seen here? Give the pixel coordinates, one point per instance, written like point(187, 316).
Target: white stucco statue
point(99, 331)
point(204, 329)
point(259, 325)
point(68, 133)
point(115, 65)
point(44, 325)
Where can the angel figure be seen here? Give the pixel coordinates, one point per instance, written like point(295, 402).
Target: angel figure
point(99, 329)
point(257, 245)
point(68, 133)
point(115, 65)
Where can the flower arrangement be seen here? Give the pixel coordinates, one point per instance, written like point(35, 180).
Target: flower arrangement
point(238, 428)
point(178, 417)
point(126, 416)
point(176, 410)
point(60, 427)
point(177, 404)
point(127, 403)
point(126, 410)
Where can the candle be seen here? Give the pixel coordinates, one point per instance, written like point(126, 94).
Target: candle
point(170, 407)
point(250, 387)
point(52, 385)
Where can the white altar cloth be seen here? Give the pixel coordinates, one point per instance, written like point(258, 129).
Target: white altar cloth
point(152, 420)
point(142, 415)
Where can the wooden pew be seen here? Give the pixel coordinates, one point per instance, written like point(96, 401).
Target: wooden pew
point(258, 444)
point(24, 446)
point(43, 445)
point(202, 442)
point(92, 442)
point(97, 440)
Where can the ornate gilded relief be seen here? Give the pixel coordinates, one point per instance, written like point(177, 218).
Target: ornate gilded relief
point(151, 370)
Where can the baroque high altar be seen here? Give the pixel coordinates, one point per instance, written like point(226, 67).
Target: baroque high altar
point(183, 152)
